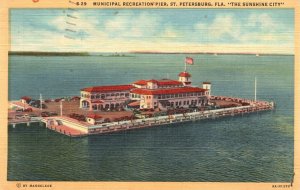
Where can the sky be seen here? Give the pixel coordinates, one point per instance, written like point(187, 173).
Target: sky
point(155, 30)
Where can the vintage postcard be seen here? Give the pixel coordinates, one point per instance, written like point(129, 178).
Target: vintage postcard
point(149, 94)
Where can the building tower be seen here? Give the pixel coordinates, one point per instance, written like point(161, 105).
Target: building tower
point(207, 86)
point(185, 78)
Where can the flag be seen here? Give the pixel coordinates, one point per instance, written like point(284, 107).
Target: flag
point(189, 60)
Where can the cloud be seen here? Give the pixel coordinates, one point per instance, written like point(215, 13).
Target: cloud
point(261, 21)
point(256, 29)
point(146, 31)
point(222, 26)
point(130, 25)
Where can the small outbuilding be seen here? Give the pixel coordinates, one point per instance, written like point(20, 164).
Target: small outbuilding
point(94, 119)
point(25, 99)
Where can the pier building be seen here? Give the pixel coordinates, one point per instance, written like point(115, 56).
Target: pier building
point(148, 94)
point(104, 97)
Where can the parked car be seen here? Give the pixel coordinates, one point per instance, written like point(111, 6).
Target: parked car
point(45, 114)
point(18, 116)
point(43, 106)
point(58, 99)
point(53, 114)
point(77, 116)
point(34, 103)
point(28, 110)
point(19, 110)
point(47, 100)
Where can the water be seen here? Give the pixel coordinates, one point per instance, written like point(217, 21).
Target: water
point(252, 148)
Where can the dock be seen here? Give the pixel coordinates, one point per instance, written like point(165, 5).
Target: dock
point(74, 128)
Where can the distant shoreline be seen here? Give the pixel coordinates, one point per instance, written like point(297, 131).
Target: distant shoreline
point(36, 53)
point(123, 54)
point(211, 53)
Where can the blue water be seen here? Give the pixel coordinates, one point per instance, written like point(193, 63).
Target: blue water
point(252, 148)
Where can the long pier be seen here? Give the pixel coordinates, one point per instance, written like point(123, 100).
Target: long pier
point(27, 121)
point(75, 128)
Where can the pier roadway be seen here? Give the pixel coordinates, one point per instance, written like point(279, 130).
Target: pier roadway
point(67, 126)
point(74, 128)
point(176, 118)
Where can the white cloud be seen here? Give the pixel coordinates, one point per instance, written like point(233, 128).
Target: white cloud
point(262, 21)
point(221, 25)
point(131, 25)
point(255, 31)
point(145, 32)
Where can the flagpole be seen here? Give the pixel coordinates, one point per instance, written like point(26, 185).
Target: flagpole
point(255, 89)
point(185, 65)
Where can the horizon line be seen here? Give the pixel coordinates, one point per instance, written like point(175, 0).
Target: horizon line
point(155, 52)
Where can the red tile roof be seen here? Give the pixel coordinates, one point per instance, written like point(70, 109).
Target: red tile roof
point(75, 98)
point(94, 116)
point(167, 91)
point(108, 88)
point(158, 82)
point(27, 98)
point(136, 103)
point(184, 74)
point(140, 82)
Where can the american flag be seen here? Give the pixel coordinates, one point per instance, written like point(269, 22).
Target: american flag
point(189, 60)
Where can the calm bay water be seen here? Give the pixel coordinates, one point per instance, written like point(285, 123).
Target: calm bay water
point(252, 148)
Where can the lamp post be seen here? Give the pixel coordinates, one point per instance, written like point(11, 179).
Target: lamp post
point(41, 102)
point(61, 108)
